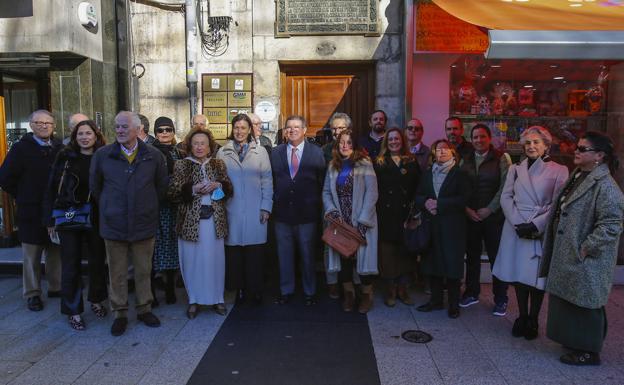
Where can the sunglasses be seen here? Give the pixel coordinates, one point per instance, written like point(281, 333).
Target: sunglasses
point(583, 149)
point(413, 128)
point(160, 130)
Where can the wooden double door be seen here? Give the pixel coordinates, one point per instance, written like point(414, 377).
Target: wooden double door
point(317, 90)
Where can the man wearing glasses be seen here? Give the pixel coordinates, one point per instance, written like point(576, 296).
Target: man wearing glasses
point(24, 175)
point(414, 132)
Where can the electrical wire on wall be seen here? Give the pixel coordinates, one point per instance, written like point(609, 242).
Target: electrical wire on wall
point(214, 31)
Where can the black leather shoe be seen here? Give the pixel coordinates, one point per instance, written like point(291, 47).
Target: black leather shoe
point(519, 327)
point(257, 299)
point(35, 304)
point(282, 299)
point(54, 294)
point(430, 307)
point(119, 326)
point(308, 300)
point(149, 319)
point(580, 358)
point(240, 297)
point(453, 312)
point(220, 309)
point(531, 331)
point(192, 311)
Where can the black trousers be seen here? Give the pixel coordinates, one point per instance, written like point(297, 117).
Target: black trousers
point(345, 275)
point(489, 232)
point(244, 268)
point(71, 276)
point(437, 290)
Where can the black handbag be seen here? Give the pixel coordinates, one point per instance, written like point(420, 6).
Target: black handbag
point(206, 211)
point(417, 233)
point(74, 218)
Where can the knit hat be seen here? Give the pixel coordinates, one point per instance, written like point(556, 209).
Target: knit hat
point(163, 121)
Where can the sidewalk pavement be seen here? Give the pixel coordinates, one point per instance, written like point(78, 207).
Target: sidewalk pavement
point(476, 348)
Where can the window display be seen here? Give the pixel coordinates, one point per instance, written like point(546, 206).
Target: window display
point(566, 96)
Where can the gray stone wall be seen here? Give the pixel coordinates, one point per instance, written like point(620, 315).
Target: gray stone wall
point(159, 41)
point(54, 27)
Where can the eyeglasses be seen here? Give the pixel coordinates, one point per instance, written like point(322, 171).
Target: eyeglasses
point(414, 128)
point(160, 130)
point(583, 149)
point(39, 123)
point(442, 149)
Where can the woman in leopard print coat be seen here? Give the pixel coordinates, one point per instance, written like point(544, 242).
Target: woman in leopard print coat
point(201, 222)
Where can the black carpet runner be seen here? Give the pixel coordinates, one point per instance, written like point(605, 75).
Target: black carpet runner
point(290, 344)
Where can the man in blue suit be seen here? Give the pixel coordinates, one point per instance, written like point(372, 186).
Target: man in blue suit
point(298, 175)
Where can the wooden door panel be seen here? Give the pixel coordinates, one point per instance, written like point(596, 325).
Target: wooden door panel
point(323, 96)
point(317, 92)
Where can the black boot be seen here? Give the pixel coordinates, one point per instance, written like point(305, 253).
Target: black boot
point(519, 327)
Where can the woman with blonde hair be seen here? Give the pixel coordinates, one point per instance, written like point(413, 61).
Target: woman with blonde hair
point(398, 174)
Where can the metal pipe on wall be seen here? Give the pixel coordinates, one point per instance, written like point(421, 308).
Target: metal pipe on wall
point(191, 54)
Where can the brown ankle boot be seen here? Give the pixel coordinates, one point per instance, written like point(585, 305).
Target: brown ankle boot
point(349, 296)
point(390, 299)
point(366, 302)
point(404, 296)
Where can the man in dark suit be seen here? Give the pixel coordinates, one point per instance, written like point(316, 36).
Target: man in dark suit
point(298, 174)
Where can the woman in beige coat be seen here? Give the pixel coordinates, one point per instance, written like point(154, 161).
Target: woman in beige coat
point(580, 251)
point(526, 199)
point(350, 195)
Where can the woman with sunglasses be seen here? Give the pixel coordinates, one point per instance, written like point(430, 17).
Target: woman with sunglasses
point(527, 196)
point(166, 260)
point(580, 251)
point(68, 186)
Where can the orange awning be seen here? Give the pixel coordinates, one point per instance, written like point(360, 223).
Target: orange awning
point(573, 15)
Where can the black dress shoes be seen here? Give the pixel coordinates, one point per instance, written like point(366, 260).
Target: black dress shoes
point(429, 306)
point(54, 294)
point(257, 299)
point(35, 304)
point(192, 311)
point(119, 326)
point(282, 299)
point(453, 312)
point(149, 319)
point(308, 300)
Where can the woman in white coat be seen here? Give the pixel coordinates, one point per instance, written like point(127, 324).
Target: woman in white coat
point(350, 195)
point(527, 196)
point(249, 169)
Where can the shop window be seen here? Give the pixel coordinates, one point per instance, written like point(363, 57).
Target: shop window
point(568, 97)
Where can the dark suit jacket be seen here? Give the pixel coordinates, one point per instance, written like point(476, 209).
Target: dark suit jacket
point(298, 201)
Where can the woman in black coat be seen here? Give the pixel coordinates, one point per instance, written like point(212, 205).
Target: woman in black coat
point(398, 174)
point(442, 196)
point(68, 186)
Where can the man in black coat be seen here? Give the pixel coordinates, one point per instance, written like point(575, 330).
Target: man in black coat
point(24, 174)
point(298, 175)
point(128, 178)
point(486, 168)
point(454, 129)
point(372, 142)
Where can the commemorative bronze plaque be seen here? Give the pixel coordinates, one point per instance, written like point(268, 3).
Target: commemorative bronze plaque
point(326, 17)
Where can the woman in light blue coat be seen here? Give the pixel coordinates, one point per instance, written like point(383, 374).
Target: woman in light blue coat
point(249, 169)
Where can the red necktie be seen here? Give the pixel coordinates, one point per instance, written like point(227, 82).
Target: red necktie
point(294, 163)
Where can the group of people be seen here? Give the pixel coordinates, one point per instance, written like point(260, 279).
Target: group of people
point(207, 210)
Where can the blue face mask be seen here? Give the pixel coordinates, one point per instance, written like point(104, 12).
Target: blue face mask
point(217, 194)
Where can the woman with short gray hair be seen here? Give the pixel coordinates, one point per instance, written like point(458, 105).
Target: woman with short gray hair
point(527, 196)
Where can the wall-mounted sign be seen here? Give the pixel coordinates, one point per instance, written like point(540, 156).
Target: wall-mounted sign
point(87, 14)
point(326, 17)
point(439, 31)
point(266, 111)
point(224, 96)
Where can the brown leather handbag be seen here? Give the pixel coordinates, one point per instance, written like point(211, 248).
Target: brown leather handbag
point(342, 237)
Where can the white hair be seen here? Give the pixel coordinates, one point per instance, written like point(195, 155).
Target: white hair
point(37, 112)
point(134, 118)
point(538, 130)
